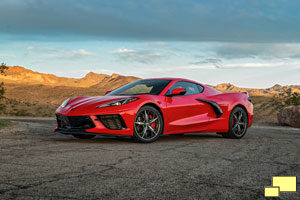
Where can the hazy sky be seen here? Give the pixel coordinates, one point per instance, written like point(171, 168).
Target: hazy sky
point(250, 43)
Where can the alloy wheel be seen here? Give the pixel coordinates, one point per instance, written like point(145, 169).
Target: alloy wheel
point(239, 123)
point(147, 124)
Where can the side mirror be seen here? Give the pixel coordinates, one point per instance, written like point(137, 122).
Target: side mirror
point(178, 91)
point(107, 92)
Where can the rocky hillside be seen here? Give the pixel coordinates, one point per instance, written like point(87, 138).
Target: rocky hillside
point(276, 89)
point(32, 93)
point(264, 109)
point(21, 75)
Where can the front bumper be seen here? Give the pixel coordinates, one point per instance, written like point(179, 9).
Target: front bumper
point(113, 124)
point(69, 131)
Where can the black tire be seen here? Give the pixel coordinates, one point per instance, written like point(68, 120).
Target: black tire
point(148, 129)
point(82, 136)
point(238, 124)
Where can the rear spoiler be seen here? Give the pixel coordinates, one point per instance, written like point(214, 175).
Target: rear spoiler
point(249, 98)
point(246, 93)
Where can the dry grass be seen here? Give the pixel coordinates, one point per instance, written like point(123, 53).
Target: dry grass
point(264, 111)
point(42, 101)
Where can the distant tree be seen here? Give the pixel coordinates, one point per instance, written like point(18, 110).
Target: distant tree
point(286, 99)
point(2, 89)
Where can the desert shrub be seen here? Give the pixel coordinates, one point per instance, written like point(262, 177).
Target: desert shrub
point(39, 108)
point(286, 99)
point(294, 99)
point(5, 123)
point(22, 112)
point(2, 89)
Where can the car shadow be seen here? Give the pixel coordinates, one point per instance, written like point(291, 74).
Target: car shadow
point(128, 139)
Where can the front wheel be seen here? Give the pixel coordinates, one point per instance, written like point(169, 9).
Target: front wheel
point(148, 125)
point(238, 124)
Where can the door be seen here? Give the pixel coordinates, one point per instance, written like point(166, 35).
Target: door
point(184, 112)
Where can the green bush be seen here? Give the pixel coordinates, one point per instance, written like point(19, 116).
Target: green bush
point(2, 89)
point(286, 99)
point(22, 112)
point(5, 123)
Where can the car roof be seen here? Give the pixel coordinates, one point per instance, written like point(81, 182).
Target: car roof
point(172, 79)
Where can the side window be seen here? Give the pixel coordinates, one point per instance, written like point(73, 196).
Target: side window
point(191, 88)
point(200, 88)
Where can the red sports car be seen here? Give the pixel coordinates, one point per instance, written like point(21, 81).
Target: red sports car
point(148, 108)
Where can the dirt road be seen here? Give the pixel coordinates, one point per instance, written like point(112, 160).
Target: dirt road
point(36, 163)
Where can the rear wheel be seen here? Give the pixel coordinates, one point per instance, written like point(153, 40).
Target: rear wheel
point(148, 125)
point(82, 136)
point(238, 124)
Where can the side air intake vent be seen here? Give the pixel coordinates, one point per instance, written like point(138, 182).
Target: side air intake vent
point(112, 121)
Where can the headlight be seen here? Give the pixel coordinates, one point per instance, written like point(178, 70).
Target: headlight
point(119, 102)
point(65, 103)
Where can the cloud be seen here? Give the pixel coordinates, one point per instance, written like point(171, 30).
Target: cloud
point(243, 63)
point(155, 44)
point(252, 65)
point(204, 66)
point(7, 55)
point(177, 70)
point(36, 62)
point(140, 56)
point(244, 20)
point(98, 71)
point(256, 50)
point(124, 51)
point(82, 52)
point(46, 52)
point(40, 48)
point(217, 62)
point(71, 54)
point(231, 65)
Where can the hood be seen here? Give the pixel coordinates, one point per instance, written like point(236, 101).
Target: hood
point(89, 103)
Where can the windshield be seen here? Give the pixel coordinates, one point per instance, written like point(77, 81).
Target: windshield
point(154, 87)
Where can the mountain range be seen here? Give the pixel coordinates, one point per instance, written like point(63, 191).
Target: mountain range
point(275, 90)
point(21, 75)
point(38, 94)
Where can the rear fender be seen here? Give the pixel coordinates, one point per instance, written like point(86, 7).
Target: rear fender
point(227, 102)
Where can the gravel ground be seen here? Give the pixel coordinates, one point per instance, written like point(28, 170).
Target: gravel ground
point(36, 163)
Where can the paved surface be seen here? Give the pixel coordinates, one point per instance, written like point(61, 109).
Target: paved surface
point(36, 163)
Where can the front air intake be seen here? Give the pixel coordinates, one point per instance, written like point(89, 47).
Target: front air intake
point(112, 121)
point(75, 122)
